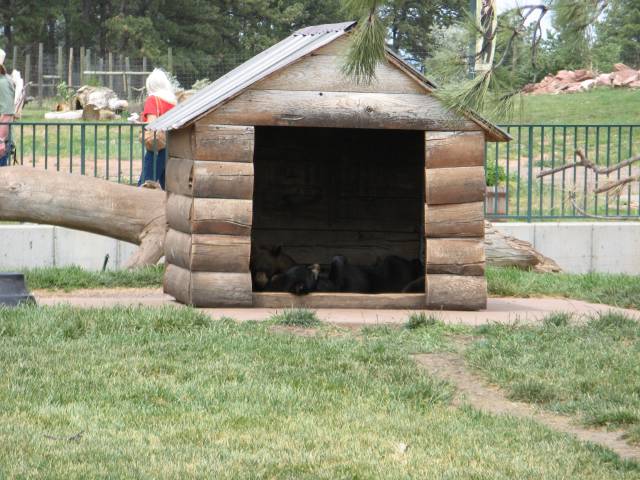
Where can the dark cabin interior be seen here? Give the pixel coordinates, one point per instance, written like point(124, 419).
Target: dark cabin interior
point(321, 192)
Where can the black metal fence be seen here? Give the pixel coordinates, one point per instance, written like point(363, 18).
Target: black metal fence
point(516, 190)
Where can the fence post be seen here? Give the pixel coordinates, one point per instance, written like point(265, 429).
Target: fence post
point(27, 71)
point(530, 175)
point(82, 149)
point(170, 59)
point(110, 62)
point(70, 69)
point(144, 69)
point(100, 68)
point(122, 91)
point(82, 60)
point(127, 79)
point(60, 65)
point(14, 58)
point(40, 73)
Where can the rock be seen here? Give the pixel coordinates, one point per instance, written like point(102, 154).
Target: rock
point(622, 78)
point(621, 67)
point(588, 84)
point(581, 75)
point(566, 76)
point(117, 105)
point(574, 88)
point(567, 81)
point(102, 98)
point(72, 115)
point(603, 80)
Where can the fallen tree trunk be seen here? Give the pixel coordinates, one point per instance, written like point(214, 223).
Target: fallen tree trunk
point(90, 204)
point(503, 250)
point(137, 215)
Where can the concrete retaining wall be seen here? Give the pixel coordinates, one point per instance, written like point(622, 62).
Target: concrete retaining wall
point(578, 247)
point(581, 247)
point(31, 246)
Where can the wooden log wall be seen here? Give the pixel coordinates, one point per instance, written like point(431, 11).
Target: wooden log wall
point(210, 216)
point(454, 221)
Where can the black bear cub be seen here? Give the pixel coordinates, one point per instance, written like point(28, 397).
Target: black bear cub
point(298, 280)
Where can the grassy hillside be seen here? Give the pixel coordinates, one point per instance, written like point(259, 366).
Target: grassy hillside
point(600, 106)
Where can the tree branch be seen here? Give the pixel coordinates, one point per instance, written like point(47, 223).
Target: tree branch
point(586, 163)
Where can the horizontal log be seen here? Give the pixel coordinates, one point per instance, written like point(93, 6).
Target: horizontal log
point(222, 216)
point(454, 149)
point(207, 142)
point(223, 180)
point(209, 215)
point(179, 176)
point(454, 220)
point(177, 249)
point(454, 185)
point(339, 110)
point(204, 179)
point(180, 142)
point(324, 73)
point(455, 256)
point(177, 283)
point(456, 292)
point(223, 143)
point(179, 212)
point(220, 253)
point(221, 290)
point(339, 300)
point(208, 253)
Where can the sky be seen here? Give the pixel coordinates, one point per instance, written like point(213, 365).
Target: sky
point(507, 4)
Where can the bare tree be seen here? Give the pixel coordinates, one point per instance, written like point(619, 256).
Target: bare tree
point(613, 187)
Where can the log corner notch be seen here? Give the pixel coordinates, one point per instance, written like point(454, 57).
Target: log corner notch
point(209, 214)
point(454, 221)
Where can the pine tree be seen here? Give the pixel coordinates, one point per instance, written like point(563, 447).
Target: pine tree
point(621, 28)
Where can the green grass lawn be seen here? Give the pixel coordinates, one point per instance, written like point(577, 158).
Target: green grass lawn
point(599, 106)
point(74, 278)
point(168, 393)
point(610, 289)
point(590, 371)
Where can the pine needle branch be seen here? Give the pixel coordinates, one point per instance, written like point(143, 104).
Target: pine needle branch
point(368, 46)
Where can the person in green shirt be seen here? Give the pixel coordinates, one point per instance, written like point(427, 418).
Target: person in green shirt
point(7, 110)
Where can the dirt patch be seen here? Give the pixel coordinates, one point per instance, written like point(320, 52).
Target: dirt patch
point(490, 399)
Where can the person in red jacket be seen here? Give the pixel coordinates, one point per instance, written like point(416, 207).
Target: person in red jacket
point(161, 98)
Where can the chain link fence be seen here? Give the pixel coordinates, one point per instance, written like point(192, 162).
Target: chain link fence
point(45, 72)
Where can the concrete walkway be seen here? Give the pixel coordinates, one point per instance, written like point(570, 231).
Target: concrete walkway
point(500, 310)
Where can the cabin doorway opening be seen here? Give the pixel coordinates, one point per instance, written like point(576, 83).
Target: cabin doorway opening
point(322, 192)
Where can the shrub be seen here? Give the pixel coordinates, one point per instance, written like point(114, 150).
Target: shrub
point(495, 174)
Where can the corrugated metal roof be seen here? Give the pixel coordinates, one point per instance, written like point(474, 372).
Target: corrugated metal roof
point(282, 54)
point(287, 51)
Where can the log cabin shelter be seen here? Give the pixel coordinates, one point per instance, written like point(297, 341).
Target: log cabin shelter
point(286, 150)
